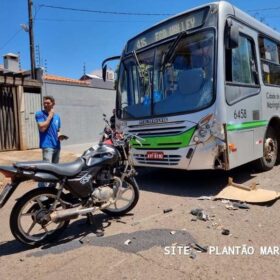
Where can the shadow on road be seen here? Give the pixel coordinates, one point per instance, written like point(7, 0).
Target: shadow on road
point(76, 231)
point(190, 183)
point(12, 247)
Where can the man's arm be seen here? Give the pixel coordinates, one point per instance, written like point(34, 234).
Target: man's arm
point(43, 126)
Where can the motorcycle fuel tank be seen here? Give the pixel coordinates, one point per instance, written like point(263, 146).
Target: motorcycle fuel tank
point(101, 154)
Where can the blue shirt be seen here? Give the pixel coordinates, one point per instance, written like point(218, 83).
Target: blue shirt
point(49, 138)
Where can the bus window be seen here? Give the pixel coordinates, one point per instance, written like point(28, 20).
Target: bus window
point(186, 80)
point(241, 59)
point(269, 50)
point(270, 57)
point(164, 80)
point(241, 70)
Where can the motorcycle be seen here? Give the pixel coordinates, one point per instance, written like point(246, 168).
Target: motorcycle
point(103, 178)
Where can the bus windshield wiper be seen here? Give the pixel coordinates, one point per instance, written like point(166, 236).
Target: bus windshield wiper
point(169, 54)
point(141, 72)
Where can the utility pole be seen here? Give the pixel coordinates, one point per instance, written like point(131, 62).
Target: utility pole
point(31, 40)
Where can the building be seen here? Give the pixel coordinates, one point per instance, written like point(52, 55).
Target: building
point(17, 94)
point(95, 79)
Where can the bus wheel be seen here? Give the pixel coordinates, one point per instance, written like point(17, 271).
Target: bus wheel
point(270, 151)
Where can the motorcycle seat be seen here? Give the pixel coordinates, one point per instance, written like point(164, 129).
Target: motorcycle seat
point(61, 169)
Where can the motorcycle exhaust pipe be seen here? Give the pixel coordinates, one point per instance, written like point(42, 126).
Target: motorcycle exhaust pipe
point(74, 213)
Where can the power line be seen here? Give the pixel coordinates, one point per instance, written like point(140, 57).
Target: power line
point(37, 10)
point(12, 37)
point(89, 20)
point(264, 9)
point(103, 12)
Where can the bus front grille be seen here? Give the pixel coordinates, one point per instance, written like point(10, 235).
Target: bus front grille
point(161, 129)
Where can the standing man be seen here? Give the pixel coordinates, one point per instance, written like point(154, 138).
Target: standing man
point(49, 125)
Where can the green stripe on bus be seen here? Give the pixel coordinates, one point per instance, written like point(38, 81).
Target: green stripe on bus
point(246, 125)
point(171, 141)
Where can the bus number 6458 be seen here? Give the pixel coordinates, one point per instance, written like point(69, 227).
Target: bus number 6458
point(240, 114)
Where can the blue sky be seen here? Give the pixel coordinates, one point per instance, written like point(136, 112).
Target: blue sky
point(68, 39)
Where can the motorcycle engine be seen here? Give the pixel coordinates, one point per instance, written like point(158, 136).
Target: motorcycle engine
point(104, 177)
point(103, 193)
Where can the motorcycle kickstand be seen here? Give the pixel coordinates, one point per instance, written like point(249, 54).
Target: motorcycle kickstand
point(90, 221)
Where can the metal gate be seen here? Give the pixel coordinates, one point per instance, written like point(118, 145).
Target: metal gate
point(32, 102)
point(9, 132)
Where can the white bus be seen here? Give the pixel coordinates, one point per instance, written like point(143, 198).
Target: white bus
point(203, 89)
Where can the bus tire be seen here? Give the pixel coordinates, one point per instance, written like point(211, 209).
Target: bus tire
point(270, 151)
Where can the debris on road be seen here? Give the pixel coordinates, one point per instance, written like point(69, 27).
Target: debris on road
point(200, 214)
point(167, 210)
point(172, 232)
point(198, 247)
point(225, 231)
point(120, 221)
point(205, 197)
point(127, 242)
point(231, 207)
point(192, 255)
point(241, 205)
point(250, 194)
point(235, 205)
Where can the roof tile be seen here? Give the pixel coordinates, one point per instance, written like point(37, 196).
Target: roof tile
point(49, 77)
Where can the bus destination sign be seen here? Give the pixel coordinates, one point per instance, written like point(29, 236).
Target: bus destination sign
point(167, 29)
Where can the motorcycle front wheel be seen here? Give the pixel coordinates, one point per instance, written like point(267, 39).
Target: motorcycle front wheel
point(30, 221)
point(126, 200)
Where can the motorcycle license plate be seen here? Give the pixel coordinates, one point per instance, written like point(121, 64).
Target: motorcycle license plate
point(155, 155)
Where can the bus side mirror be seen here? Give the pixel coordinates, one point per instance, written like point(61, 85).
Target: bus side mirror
point(104, 66)
point(104, 72)
point(232, 35)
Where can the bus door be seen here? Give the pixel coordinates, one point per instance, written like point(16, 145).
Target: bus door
point(243, 99)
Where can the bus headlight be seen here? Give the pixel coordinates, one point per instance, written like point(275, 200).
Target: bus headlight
point(202, 132)
point(208, 126)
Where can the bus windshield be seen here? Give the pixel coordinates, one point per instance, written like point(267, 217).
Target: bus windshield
point(174, 77)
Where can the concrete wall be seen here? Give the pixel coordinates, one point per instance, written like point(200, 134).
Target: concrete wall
point(81, 109)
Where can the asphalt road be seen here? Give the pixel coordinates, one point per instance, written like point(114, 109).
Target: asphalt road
point(159, 246)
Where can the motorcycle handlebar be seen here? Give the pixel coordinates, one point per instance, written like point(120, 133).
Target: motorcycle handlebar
point(125, 137)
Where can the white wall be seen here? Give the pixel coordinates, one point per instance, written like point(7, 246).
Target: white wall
point(80, 109)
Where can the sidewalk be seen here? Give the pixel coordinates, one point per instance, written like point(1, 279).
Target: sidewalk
point(68, 153)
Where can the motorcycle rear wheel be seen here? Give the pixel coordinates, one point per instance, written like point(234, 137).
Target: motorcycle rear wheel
point(125, 202)
point(30, 222)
